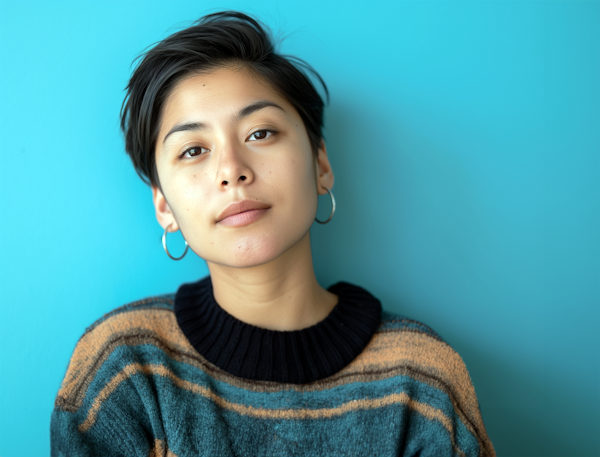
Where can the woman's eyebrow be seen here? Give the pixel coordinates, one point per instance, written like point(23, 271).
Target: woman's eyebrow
point(247, 111)
point(185, 127)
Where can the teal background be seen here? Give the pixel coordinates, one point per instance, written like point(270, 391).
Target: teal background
point(465, 139)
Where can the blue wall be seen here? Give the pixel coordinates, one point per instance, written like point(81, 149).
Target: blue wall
point(465, 138)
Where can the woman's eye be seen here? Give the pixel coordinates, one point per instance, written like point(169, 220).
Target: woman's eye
point(261, 135)
point(194, 151)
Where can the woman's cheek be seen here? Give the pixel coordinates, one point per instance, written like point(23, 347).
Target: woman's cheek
point(192, 212)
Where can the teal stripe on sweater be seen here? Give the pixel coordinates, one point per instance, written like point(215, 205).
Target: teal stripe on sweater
point(332, 436)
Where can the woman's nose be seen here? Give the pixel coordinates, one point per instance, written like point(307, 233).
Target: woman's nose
point(233, 168)
point(241, 178)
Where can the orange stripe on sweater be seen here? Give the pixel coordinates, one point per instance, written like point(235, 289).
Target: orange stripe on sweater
point(87, 352)
point(160, 450)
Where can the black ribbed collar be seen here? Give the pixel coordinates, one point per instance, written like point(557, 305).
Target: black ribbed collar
point(297, 357)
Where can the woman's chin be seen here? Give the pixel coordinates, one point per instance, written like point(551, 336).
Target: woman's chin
point(246, 253)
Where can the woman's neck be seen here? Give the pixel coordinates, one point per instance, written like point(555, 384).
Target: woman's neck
point(280, 295)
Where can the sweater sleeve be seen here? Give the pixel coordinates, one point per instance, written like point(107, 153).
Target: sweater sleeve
point(114, 435)
point(107, 404)
point(443, 415)
point(109, 415)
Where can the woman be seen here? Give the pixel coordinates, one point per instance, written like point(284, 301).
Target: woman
point(257, 358)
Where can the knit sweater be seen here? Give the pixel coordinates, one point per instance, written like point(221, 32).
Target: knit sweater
point(176, 375)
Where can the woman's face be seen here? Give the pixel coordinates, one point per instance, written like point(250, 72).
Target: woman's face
point(226, 138)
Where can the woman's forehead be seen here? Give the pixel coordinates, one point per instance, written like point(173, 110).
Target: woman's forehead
point(220, 92)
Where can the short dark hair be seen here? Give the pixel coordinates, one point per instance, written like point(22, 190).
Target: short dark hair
point(215, 40)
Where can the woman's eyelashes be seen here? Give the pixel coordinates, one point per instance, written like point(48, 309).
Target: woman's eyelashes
point(258, 135)
point(261, 134)
point(193, 151)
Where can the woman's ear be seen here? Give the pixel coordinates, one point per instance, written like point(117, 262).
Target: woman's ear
point(164, 216)
point(324, 171)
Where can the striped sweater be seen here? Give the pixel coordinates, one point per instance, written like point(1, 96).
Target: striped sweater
point(143, 381)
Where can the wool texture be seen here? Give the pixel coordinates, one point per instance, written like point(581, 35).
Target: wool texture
point(137, 386)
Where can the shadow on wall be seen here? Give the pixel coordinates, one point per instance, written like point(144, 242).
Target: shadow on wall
point(517, 429)
point(410, 227)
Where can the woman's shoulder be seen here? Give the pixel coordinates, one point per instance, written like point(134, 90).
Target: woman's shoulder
point(404, 342)
point(146, 306)
point(408, 353)
point(396, 323)
point(150, 316)
point(111, 341)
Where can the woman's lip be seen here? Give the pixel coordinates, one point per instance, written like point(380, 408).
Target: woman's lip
point(240, 207)
point(244, 218)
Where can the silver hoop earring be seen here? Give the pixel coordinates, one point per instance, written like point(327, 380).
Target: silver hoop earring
point(332, 208)
point(164, 242)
